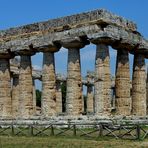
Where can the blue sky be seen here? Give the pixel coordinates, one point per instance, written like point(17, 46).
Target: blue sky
point(19, 12)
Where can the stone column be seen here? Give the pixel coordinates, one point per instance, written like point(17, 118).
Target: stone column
point(113, 93)
point(113, 98)
point(34, 97)
point(122, 83)
point(15, 95)
point(5, 88)
point(90, 99)
point(58, 97)
point(83, 101)
point(26, 87)
point(102, 81)
point(74, 83)
point(139, 86)
point(48, 104)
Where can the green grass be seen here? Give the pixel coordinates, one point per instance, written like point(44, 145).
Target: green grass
point(68, 142)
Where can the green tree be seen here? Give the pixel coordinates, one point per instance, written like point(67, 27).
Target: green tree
point(38, 98)
point(85, 104)
point(63, 88)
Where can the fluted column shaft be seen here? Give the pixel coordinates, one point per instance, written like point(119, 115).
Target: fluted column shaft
point(48, 103)
point(34, 97)
point(83, 102)
point(58, 97)
point(26, 87)
point(139, 86)
point(102, 104)
point(122, 83)
point(74, 84)
point(90, 99)
point(113, 98)
point(15, 96)
point(5, 89)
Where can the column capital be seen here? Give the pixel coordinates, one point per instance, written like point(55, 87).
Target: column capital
point(50, 48)
point(74, 42)
point(25, 53)
point(6, 55)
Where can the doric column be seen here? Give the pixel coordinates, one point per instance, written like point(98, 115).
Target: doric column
point(34, 97)
point(113, 93)
point(113, 98)
point(48, 101)
point(90, 99)
point(122, 83)
point(83, 101)
point(25, 87)
point(58, 97)
point(48, 85)
point(74, 83)
point(102, 81)
point(15, 95)
point(90, 93)
point(5, 88)
point(139, 86)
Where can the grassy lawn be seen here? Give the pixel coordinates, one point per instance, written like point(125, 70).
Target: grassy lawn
point(68, 142)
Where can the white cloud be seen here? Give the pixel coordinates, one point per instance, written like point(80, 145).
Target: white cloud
point(62, 50)
point(37, 67)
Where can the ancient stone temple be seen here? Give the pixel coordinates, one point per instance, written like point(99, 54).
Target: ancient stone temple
point(99, 27)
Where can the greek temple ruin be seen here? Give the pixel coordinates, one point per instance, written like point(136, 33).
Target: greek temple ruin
point(104, 93)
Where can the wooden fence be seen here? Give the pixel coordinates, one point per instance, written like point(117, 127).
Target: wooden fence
point(91, 130)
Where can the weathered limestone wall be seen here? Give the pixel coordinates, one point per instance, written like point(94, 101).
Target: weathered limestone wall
point(48, 102)
point(102, 81)
point(5, 89)
point(25, 87)
point(15, 96)
point(139, 86)
point(122, 83)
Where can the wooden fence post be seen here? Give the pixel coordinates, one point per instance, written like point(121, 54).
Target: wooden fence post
point(12, 130)
point(101, 130)
point(74, 130)
point(52, 130)
point(138, 131)
point(30, 130)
